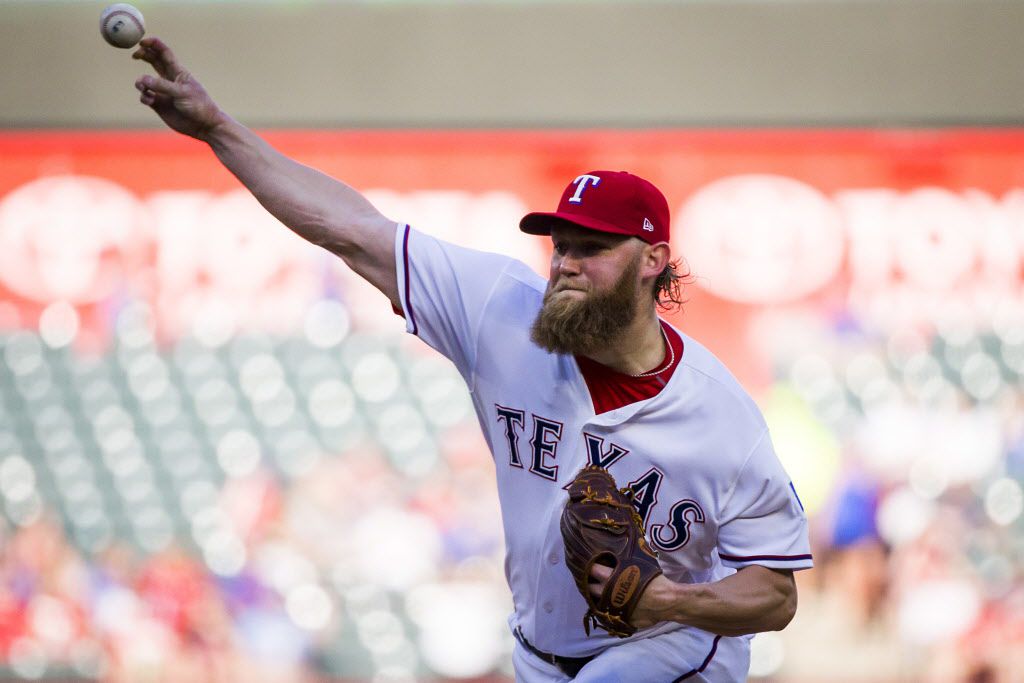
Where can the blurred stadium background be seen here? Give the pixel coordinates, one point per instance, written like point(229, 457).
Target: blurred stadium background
point(221, 459)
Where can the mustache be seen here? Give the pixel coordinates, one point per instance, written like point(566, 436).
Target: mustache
point(565, 287)
point(554, 291)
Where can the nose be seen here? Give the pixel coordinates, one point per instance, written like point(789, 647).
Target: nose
point(568, 264)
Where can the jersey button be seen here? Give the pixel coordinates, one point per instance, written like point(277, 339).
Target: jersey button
point(548, 607)
point(553, 559)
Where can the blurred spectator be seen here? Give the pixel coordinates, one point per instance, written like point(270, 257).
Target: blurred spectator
point(317, 549)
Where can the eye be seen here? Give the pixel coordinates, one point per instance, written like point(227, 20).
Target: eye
point(561, 248)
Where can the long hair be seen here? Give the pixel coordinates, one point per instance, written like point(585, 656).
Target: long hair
point(669, 285)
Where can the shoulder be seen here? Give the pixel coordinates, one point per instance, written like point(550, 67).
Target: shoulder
point(514, 299)
point(523, 276)
point(424, 250)
point(708, 386)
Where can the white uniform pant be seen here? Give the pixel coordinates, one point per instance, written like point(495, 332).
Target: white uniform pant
point(659, 659)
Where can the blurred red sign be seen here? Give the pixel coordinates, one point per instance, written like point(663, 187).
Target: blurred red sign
point(881, 224)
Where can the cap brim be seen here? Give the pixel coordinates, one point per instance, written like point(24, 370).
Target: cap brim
point(539, 223)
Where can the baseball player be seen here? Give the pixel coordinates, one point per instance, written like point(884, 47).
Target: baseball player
point(573, 371)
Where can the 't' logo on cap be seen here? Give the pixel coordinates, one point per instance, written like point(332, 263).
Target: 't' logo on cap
point(581, 183)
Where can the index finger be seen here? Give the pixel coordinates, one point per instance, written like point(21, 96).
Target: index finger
point(155, 51)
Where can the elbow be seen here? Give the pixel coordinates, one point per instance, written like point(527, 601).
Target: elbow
point(786, 609)
point(329, 234)
point(347, 235)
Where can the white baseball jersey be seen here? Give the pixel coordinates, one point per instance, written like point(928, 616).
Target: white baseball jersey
point(707, 483)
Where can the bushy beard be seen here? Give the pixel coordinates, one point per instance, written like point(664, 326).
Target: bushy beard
point(583, 326)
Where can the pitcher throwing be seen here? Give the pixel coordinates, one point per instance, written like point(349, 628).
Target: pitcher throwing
point(572, 372)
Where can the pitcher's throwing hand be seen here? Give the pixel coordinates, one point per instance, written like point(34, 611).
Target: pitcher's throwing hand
point(174, 93)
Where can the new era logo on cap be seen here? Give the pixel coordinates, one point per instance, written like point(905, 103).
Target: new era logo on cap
point(608, 201)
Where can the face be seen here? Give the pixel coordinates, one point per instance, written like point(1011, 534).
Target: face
point(592, 292)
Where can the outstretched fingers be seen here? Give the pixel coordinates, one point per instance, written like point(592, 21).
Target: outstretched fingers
point(160, 86)
point(155, 90)
point(154, 51)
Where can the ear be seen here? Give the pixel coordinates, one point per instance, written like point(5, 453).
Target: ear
point(654, 259)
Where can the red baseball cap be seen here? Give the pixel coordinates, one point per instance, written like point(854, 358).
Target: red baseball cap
point(608, 201)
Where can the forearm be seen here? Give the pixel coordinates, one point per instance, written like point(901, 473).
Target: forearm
point(317, 207)
point(752, 600)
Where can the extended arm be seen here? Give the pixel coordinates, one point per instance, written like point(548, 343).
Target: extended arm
point(315, 206)
point(752, 600)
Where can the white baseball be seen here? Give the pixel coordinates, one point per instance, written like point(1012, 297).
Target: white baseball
point(122, 25)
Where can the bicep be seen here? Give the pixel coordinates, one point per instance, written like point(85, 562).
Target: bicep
point(778, 580)
point(763, 521)
point(769, 577)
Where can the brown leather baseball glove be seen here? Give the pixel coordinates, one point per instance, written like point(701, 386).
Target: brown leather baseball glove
point(601, 526)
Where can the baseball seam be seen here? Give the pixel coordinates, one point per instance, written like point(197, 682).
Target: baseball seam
point(121, 12)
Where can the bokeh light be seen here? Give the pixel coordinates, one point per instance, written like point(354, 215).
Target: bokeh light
point(223, 452)
point(58, 324)
point(1004, 501)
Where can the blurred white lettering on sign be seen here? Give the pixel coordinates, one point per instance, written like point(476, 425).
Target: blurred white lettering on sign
point(70, 238)
point(757, 239)
point(761, 238)
point(201, 256)
point(764, 239)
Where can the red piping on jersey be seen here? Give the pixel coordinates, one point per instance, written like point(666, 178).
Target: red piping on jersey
point(704, 665)
point(748, 558)
point(405, 261)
